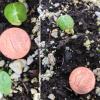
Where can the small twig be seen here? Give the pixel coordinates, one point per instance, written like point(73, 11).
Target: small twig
point(25, 87)
point(63, 61)
point(68, 89)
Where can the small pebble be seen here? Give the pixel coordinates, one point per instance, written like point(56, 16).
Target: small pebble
point(17, 66)
point(87, 43)
point(36, 27)
point(51, 59)
point(47, 75)
point(15, 76)
point(88, 97)
point(97, 14)
point(74, 37)
point(97, 73)
point(52, 42)
point(21, 0)
point(67, 48)
point(94, 1)
point(19, 88)
point(51, 97)
point(97, 91)
point(37, 40)
point(42, 53)
point(62, 34)
point(54, 33)
point(2, 63)
point(34, 80)
point(87, 32)
point(15, 91)
point(42, 44)
point(33, 91)
point(26, 68)
point(29, 60)
point(35, 53)
point(56, 4)
point(80, 23)
point(36, 96)
point(33, 20)
point(45, 61)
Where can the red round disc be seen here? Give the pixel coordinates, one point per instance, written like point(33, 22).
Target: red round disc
point(82, 80)
point(15, 43)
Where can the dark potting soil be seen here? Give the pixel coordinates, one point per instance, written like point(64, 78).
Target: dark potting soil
point(33, 70)
point(78, 55)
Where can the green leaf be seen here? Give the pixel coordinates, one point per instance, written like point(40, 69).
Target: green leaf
point(5, 83)
point(66, 23)
point(15, 13)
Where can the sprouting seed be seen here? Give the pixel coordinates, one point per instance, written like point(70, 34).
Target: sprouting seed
point(5, 83)
point(15, 13)
point(66, 23)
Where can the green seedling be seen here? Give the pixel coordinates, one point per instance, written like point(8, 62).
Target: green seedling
point(66, 23)
point(5, 83)
point(15, 13)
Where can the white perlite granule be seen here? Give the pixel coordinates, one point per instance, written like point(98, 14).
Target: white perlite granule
point(97, 13)
point(97, 73)
point(36, 96)
point(29, 60)
point(45, 61)
point(15, 76)
point(57, 4)
point(48, 61)
point(19, 88)
point(33, 91)
point(37, 40)
point(88, 43)
point(51, 97)
point(97, 91)
point(42, 44)
point(93, 1)
point(54, 33)
point(34, 80)
point(51, 59)
point(18, 65)
point(2, 62)
point(47, 75)
point(21, 0)
point(96, 2)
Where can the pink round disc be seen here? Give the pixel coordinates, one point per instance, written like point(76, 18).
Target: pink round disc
point(82, 80)
point(14, 43)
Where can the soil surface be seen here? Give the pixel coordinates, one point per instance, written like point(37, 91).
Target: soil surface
point(69, 51)
point(60, 53)
point(26, 86)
